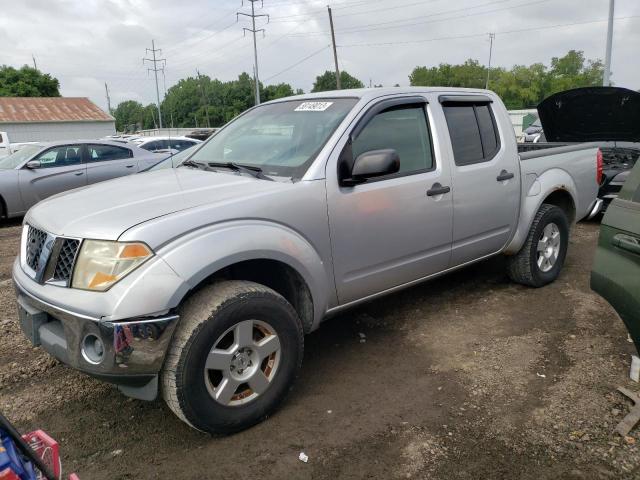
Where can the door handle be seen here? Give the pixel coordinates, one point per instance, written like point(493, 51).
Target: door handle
point(504, 175)
point(437, 189)
point(130, 166)
point(77, 174)
point(627, 243)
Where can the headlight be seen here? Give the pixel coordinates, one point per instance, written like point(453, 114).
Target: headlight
point(100, 264)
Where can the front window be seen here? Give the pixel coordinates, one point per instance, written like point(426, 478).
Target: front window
point(281, 138)
point(19, 157)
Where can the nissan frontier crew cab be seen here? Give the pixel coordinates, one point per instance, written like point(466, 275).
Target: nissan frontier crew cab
point(200, 282)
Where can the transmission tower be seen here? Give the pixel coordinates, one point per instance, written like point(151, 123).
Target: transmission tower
point(155, 61)
point(253, 30)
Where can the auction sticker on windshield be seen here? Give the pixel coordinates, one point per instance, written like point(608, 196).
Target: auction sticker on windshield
point(313, 106)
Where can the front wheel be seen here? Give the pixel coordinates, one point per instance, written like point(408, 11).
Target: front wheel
point(234, 356)
point(542, 256)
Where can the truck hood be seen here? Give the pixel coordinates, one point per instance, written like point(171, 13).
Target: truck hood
point(105, 210)
point(591, 114)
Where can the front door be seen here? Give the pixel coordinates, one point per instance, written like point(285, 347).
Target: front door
point(389, 231)
point(108, 161)
point(60, 169)
point(486, 180)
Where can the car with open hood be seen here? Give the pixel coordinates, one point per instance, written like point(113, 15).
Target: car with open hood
point(608, 117)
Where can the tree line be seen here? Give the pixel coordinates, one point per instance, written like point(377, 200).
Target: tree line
point(203, 101)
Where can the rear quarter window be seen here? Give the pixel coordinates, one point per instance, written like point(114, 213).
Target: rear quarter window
point(473, 132)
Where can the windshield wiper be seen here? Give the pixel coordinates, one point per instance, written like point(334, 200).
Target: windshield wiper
point(238, 167)
point(191, 163)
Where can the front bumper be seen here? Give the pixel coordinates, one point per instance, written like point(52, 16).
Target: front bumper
point(132, 351)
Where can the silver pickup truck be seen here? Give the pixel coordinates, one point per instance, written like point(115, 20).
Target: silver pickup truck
point(201, 281)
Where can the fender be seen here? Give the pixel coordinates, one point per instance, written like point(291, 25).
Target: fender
point(221, 245)
point(543, 186)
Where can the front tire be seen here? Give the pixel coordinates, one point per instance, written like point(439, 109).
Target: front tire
point(542, 256)
point(235, 355)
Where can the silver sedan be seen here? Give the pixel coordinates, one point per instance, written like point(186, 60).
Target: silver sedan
point(40, 170)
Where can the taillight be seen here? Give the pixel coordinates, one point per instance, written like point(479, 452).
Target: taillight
point(599, 166)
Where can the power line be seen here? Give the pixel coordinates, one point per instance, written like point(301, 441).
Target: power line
point(253, 30)
point(155, 71)
point(474, 35)
point(381, 25)
point(298, 63)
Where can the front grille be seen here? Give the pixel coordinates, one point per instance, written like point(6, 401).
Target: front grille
point(66, 259)
point(49, 259)
point(35, 242)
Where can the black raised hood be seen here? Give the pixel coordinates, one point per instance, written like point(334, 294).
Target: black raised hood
point(591, 114)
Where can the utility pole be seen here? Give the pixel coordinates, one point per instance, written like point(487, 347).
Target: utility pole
point(106, 90)
point(253, 30)
point(491, 37)
point(606, 81)
point(35, 66)
point(155, 71)
point(335, 50)
point(204, 99)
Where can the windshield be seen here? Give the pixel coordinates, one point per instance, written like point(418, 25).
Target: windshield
point(536, 124)
point(15, 159)
point(173, 161)
point(281, 138)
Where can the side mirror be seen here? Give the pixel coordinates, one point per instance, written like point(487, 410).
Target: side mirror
point(375, 163)
point(33, 164)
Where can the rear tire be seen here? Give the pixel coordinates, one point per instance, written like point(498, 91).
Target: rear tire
point(542, 256)
point(235, 355)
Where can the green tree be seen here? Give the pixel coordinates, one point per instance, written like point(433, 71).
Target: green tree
point(521, 86)
point(327, 81)
point(272, 92)
point(129, 115)
point(192, 100)
point(27, 82)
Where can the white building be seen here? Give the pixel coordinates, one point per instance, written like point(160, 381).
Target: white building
point(518, 116)
point(39, 119)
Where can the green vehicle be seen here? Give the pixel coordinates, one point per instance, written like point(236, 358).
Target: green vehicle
point(616, 271)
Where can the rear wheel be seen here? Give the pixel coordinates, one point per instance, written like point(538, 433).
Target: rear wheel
point(542, 257)
point(234, 357)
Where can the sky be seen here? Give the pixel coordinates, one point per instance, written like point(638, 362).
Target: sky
point(85, 43)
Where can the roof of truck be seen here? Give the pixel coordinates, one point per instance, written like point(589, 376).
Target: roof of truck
point(371, 93)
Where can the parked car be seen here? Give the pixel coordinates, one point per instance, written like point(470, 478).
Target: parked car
point(532, 132)
point(174, 160)
point(205, 278)
point(608, 117)
point(40, 170)
point(616, 270)
point(162, 143)
point(7, 147)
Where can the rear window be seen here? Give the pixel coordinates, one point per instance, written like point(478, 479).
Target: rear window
point(473, 132)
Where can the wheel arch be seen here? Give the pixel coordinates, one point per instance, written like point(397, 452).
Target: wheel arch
point(555, 187)
point(284, 261)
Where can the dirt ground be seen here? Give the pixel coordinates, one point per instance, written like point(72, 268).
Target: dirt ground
point(468, 376)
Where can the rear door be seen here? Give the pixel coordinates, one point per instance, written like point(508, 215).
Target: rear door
point(616, 270)
point(106, 161)
point(61, 169)
point(486, 179)
point(389, 231)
